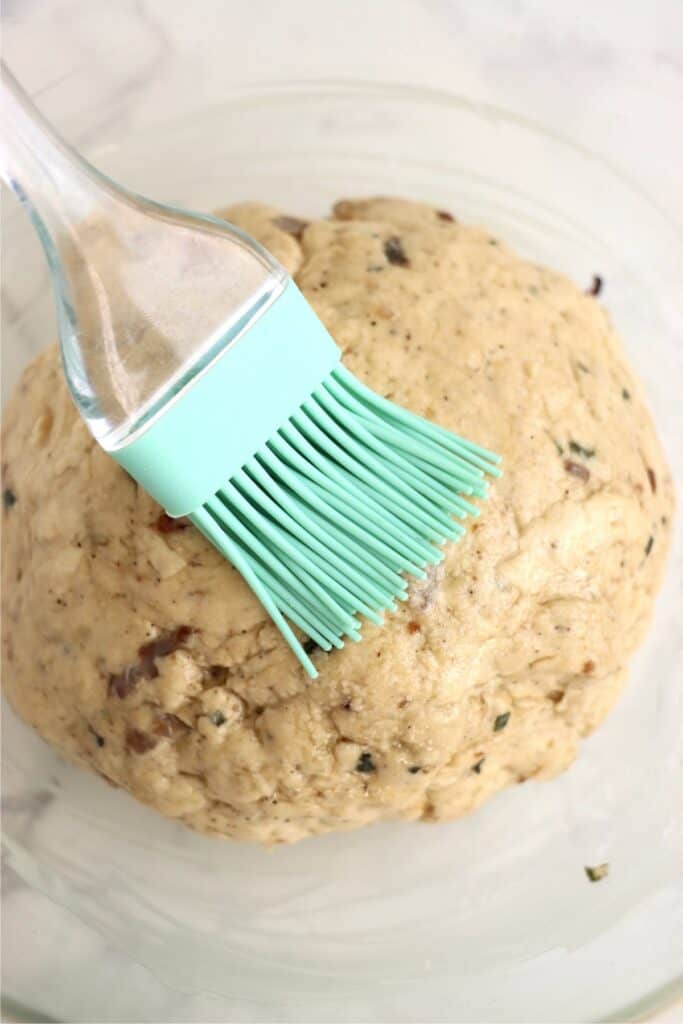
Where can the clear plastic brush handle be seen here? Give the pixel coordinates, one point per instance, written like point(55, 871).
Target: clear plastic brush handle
point(148, 296)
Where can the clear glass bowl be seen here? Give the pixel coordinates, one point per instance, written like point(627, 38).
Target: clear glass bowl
point(488, 918)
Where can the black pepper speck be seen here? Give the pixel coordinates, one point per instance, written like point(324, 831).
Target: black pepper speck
point(99, 740)
point(365, 764)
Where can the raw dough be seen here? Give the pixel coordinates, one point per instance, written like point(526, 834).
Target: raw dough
point(136, 651)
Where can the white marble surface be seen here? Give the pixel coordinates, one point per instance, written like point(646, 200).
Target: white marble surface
point(607, 73)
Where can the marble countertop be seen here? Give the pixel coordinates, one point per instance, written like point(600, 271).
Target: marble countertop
point(608, 74)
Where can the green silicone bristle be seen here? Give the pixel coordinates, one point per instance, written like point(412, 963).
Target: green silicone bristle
point(350, 494)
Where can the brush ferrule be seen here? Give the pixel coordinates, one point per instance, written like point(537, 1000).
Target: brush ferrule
point(215, 425)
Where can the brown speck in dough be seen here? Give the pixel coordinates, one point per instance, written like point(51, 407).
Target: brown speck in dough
point(413, 626)
point(393, 250)
point(122, 684)
point(576, 469)
point(652, 478)
point(292, 225)
point(445, 215)
point(588, 667)
point(169, 726)
point(167, 524)
point(138, 742)
point(218, 673)
point(343, 209)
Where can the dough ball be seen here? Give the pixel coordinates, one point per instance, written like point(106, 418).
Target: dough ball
point(138, 652)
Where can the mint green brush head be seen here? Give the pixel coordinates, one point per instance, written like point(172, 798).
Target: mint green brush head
point(198, 365)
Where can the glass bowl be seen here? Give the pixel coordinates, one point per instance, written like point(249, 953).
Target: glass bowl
point(488, 918)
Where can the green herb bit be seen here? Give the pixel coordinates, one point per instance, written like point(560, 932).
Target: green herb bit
point(578, 449)
point(365, 764)
point(597, 873)
point(501, 721)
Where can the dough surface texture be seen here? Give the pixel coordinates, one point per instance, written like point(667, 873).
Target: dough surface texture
point(138, 652)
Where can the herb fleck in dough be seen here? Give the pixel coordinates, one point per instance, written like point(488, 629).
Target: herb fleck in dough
point(138, 652)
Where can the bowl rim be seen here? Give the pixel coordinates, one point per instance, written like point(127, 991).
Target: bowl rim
point(270, 93)
point(274, 91)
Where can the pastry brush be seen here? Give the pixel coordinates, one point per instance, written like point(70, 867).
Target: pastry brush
point(198, 365)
